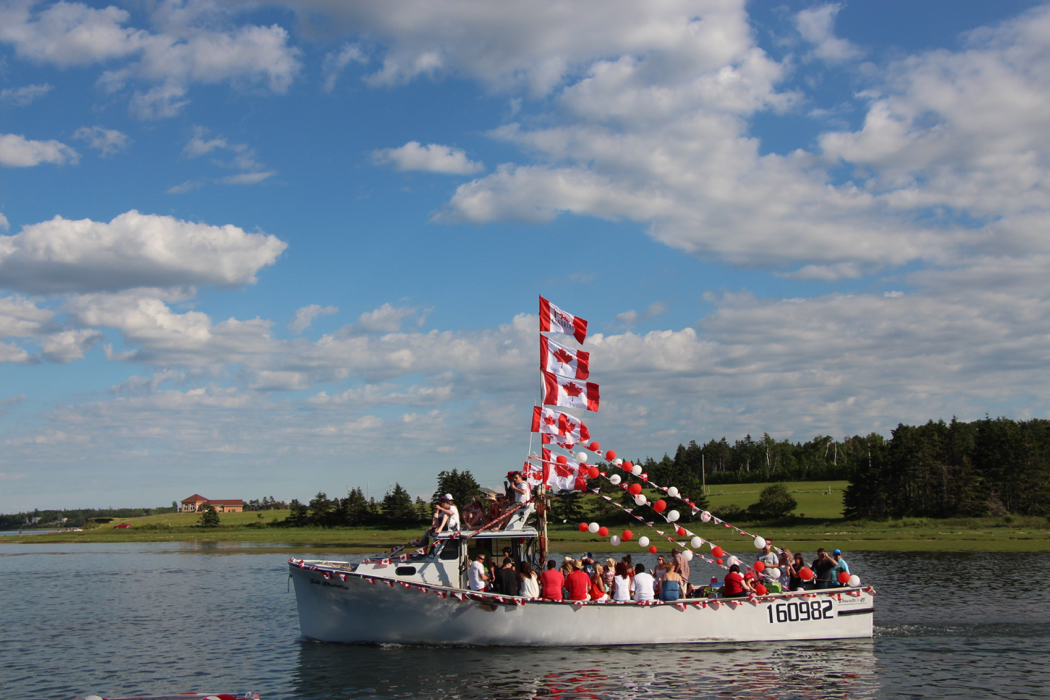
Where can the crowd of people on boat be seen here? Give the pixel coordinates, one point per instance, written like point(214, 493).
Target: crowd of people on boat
point(481, 512)
point(587, 579)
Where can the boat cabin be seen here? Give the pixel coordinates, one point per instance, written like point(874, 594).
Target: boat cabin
point(444, 558)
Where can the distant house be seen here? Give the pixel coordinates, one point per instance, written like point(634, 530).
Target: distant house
point(196, 502)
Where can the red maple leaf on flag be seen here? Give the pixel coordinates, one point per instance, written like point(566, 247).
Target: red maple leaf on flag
point(562, 356)
point(572, 389)
point(550, 420)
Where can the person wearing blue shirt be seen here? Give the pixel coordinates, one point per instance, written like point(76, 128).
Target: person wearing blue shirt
point(840, 566)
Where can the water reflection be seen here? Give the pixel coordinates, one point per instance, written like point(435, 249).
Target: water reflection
point(812, 670)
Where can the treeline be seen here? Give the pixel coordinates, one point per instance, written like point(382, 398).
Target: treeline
point(986, 467)
point(395, 510)
point(71, 518)
point(750, 461)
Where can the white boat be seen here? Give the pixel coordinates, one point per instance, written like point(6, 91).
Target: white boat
point(422, 598)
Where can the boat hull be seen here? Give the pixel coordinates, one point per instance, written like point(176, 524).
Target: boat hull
point(336, 605)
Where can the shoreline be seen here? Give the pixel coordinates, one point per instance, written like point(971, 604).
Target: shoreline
point(932, 537)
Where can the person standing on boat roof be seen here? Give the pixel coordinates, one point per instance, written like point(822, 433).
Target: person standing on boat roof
point(841, 567)
point(519, 489)
point(477, 576)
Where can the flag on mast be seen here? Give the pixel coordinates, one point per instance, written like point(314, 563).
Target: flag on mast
point(563, 361)
point(554, 320)
point(569, 393)
point(551, 422)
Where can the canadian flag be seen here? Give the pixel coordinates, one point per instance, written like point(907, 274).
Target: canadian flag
point(558, 359)
point(554, 320)
point(566, 443)
point(562, 477)
point(551, 422)
point(533, 473)
point(562, 391)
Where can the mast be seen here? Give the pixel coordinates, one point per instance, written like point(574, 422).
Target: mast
point(541, 524)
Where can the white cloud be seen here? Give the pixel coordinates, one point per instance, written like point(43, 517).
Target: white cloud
point(336, 62)
point(197, 49)
point(817, 26)
point(631, 317)
point(4, 223)
point(132, 250)
point(242, 158)
point(433, 158)
point(23, 96)
point(105, 141)
point(17, 151)
point(306, 315)
point(67, 346)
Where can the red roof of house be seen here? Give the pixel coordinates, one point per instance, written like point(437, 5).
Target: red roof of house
point(195, 498)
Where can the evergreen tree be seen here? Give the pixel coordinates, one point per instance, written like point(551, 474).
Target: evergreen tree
point(461, 485)
point(209, 516)
point(775, 501)
point(398, 509)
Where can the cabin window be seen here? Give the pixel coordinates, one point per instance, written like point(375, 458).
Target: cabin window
point(405, 570)
point(450, 551)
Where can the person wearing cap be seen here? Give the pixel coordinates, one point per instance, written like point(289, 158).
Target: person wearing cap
point(492, 508)
point(449, 514)
point(841, 567)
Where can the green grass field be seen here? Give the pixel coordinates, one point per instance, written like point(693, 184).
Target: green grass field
point(818, 523)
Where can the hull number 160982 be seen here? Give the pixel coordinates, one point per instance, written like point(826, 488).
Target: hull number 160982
point(800, 611)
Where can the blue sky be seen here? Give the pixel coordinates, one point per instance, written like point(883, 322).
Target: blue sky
point(271, 248)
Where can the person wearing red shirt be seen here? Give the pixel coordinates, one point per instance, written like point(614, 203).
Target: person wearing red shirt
point(551, 582)
point(579, 583)
point(735, 585)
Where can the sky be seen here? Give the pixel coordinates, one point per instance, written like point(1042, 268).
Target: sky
point(257, 249)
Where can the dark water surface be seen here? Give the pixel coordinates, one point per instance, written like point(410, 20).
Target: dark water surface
point(127, 619)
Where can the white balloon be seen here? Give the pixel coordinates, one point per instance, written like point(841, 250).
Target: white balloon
point(760, 542)
point(643, 541)
point(695, 543)
point(705, 516)
point(673, 492)
point(732, 560)
point(773, 573)
point(687, 555)
point(614, 541)
point(854, 581)
point(581, 456)
point(617, 461)
point(640, 499)
point(593, 528)
point(614, 479)
point(673, 516)
point(636, 469)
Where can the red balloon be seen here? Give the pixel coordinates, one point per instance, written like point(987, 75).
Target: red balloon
point(660, 506)
point(652, 549)
point(760, 566)
point(805, 573)
point(635, 489)
point(561, 459)
point(583, 527)
point(761, 590)
point(679, 531)
point(718, 561)
point(843, 577)
point(594, 447)
point(603, 531)
point(626, 535)
point(593, 472)
point(610, 455)
point(717, 552)
point(627, 466)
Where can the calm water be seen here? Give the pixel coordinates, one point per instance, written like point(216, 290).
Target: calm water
point(157, 618)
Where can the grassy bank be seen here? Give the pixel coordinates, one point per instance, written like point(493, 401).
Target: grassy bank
point(818, 523)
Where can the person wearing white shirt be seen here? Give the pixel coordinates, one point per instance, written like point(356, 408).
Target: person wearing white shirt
point(644, 584)
point(477, 576)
